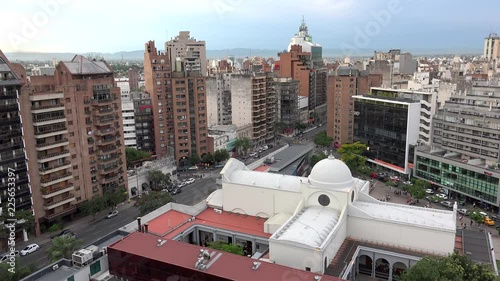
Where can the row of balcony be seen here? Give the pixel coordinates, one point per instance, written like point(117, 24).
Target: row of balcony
point(68, 210)
point(53, 156)
point(47, 108)
point(59, 202)
point(55, 168)
point(47, 193)
point(56, 179)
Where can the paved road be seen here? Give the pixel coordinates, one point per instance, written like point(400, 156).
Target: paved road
point(194, 193)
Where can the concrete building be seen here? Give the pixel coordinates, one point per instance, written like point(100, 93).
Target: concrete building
point(316, 224)
point(221, 137)
point(303, 39)
point(463, 156)
point(43, 70)
point(491, 49)
point(287, 92)
point(143, 114)
point(191, 51)
point(127, 112)
point(15, 183)
point(138, 181)
point(74, 119)
point(389, 127)
point(133, 78)
point(264, 103)
point(124, 85)
point(219, 106)
point(345, 83)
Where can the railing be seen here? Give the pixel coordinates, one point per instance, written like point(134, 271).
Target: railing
point(55, 166)
point(55, 178)
point(64, 211)
point(51, 143)
point(46, 106)
point(59, 201)
point(53, 130)
point(49, 119)
point(53, 154)
point(53, 190)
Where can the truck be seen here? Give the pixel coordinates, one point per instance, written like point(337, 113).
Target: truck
point(85, 256)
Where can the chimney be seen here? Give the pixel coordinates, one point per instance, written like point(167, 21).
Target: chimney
point(139, 224)
point(146, 228)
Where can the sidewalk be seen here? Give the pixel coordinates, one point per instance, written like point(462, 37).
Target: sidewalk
point(75, 226)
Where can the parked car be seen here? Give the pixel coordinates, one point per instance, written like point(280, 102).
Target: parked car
point(408, 183)
point(265, 147)
point(112, 214)
point(442, 196)
point(218, 166)
point(193, 168)
point(6, 256)
point(190, 181)
point(64, 232)
point(429, 191)
point(463, 211)
point(488, 221)
point(31, 248)
point(253, 154)
point(448, 204)
point(176, 191)
point(394, 178)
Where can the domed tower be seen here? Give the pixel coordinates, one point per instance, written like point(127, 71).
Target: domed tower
point(332, 174)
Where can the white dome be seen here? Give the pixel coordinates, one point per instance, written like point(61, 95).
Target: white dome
point(331, 173)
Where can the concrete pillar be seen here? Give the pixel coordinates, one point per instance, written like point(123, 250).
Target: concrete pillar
point(197, 237)
point(373, 265)
point(390, 271)
point(25, 235)
point(214, 235)
point(254, 247)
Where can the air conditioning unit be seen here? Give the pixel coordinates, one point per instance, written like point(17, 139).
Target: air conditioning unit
point(55, 267)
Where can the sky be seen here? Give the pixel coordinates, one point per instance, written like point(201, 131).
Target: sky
point(113, 26)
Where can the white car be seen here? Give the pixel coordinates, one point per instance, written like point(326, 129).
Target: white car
point(29, 249)
point(193, 168)
point(464, 212)
point(112, 214)
point(447, 204)
point(429, 191)
point(190, 181)
point(442, 196)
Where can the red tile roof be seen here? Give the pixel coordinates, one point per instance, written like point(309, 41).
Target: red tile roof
point(228, 266)
point(263, 168)
point(171, 223)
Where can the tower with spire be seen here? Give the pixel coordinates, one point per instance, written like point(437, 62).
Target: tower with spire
point(303, 38)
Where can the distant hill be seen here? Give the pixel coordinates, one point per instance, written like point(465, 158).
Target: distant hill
point(236, 52)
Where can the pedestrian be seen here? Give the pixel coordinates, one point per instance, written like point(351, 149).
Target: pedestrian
point(471, 222)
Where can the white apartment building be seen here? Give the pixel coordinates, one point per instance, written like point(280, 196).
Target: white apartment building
point(128, 115)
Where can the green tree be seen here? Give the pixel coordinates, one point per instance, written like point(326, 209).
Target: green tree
point(416, 191)
point(322, 139)
point(455, 267)
point(207, 158)
point(152, 201)
point(18, 272)
point(353, 155)
point(63, 247)
point(316, 158)
point(477, 217)
point(55, 228)
point(114, 198)
point(94, 205)
point(221, 155)
point(241, 145)
point(25, 219)
point(194, 159)
point(225, 247)
point(156, 178)
point(134, 155)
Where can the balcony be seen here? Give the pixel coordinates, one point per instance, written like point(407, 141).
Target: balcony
point(106, 141)
point(55, 168)
point(52, 132)
point(47, 108)
point(106, 150)
point(42, 94)
point(49, 120)
point(57, 179)
point(53, 156)
point(105, 131)
point(50, 145)
point(108, 179)
point(105, 121)
point(103, 102)
point(113, 157)
point(56, 191)
point(62, 212)
point(60, 202)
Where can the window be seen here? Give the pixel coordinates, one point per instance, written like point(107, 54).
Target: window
point(324, 200)
point(308, 269)
point(95, 268)
point(72, 278)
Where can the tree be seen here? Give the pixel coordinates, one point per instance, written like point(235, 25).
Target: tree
point(94, 205)
point(156, 177)
point(114, 198)
point(194, 159)
point(225, 247)
point(25, 219)
point(322, 139)
point(316, 158)
point(134, 155)
point(242, 145)
point(207, 158)
point(477, 217)
point(63, 247)
point(221, 155)
point(455, 267)
point(417, 190)
point(18, 272)
point(55, 228)
point(352, 155)
point(152, 201)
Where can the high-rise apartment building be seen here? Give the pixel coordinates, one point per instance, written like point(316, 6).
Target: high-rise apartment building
point(491, 49)
point(219, 106)
point(346, 83)
point(176, 84)
point(133, 78)
point(13, 169)
point(304, 39)
point(463, 157)
point(287, 93)
point(74, 120)
point(189, 50)
point(143, 113)
point(264, 105)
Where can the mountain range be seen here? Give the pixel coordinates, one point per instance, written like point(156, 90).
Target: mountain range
point(138, 55)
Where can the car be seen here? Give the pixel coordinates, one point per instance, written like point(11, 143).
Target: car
point(253, 154)
point(448, 204)
point(429, 191)
point(7, 255)
point(442, 196)
point(112, 214)
point(265, 147)
point(373, 175)
point(176, 191)
point(192, 168)
point(463, 211)
point(488, 221)
point(394, 178)
point(410, 183)
point(31, 248)
point(434, 199)
point(64, 232)
point(190, 181)
point(181, 184)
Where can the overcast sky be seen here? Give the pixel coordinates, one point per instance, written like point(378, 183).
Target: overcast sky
point(112, 26)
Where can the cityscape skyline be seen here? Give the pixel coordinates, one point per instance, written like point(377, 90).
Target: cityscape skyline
point(225, 24)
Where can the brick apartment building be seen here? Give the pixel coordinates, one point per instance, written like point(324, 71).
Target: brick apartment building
point(74, 143)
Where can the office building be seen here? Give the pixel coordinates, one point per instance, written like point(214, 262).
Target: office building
point(191, 52)
point(74, 120)
point(127, 112)
point(287, 93)
point(13, 162)
point(143, 114)
point(304, 39)
point(133, 78)
point(345, 83)
point(463, 157)
point(491, 49)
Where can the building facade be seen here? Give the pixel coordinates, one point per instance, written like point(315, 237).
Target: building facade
point(464, 156)
point(189, 50)
point(287, 93)
point(143, 114)
point(346, 83)
point(264, 105)
point(219, 106)
point(491, 49)
point(79, 152)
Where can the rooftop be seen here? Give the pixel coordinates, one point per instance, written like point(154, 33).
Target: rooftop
point(172, 223)
point(267, 180)
point(81, 65)
point(224, 265)
point(310, 227)
point(289, 155)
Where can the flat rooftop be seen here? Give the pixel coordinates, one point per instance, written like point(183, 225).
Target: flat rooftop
point(222, 264)
point(173, 223)
point(288, 156)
